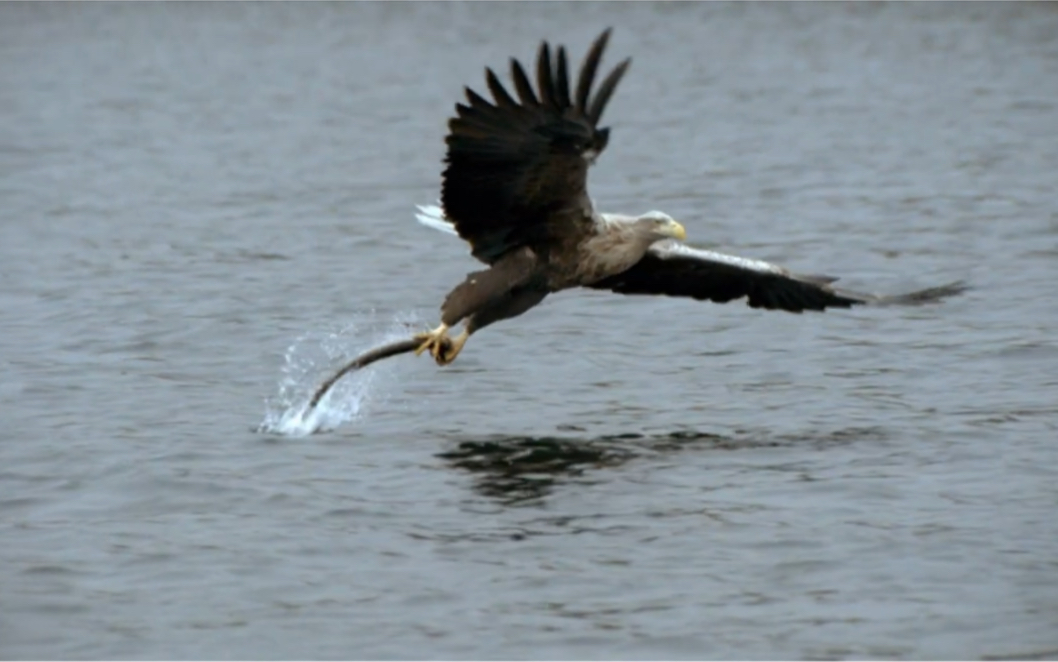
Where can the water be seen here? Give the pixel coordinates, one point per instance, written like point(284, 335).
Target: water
point(205, 209)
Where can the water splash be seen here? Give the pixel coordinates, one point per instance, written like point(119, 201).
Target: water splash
point(314, 357)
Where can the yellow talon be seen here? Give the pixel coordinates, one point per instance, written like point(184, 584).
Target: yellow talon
point(433, 340)
point(451, 348)
point(443, 348)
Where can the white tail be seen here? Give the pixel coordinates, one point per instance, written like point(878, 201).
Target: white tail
point(433, 216)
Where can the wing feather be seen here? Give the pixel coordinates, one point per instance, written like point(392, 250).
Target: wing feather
point(674, 269)
point(478, 102)
point(606, 90)
point(522, 84)
point(588, 69)
point(499, 92)
point(516, 172)
point(544, 81)
point(562, 80)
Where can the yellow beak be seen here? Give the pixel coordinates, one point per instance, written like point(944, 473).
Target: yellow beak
point(677, 231)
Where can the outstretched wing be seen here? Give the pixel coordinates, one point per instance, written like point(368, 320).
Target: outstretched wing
point(516, 167)
point(674, 269)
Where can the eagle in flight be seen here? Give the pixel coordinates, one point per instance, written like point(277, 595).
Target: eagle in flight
point(515, 188)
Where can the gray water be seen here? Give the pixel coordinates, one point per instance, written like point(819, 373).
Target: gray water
point(205, 209)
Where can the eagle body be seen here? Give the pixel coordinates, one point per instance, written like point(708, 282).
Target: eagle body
point(605, 247)
point(515, 188)
point(618, 243)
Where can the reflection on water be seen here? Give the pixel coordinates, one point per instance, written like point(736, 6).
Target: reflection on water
point(519, 470)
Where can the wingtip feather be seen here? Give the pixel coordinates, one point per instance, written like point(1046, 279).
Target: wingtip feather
point(929, 295)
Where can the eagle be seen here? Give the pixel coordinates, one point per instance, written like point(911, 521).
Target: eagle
point(515, 188)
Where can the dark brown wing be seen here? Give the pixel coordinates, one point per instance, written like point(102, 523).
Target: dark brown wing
point(516, 164)
point(674, 269)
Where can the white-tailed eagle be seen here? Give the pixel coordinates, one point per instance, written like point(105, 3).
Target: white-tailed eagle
point(515, 188)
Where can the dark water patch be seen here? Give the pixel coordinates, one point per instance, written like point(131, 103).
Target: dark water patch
point(49, 570)
point(522, 469)
point(1051, 654)
point(518, 470)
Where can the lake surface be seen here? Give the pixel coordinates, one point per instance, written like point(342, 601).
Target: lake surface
point(206, 209)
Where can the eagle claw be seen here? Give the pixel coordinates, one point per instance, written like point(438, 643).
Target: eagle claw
point(442, 348)
point(437, 343)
